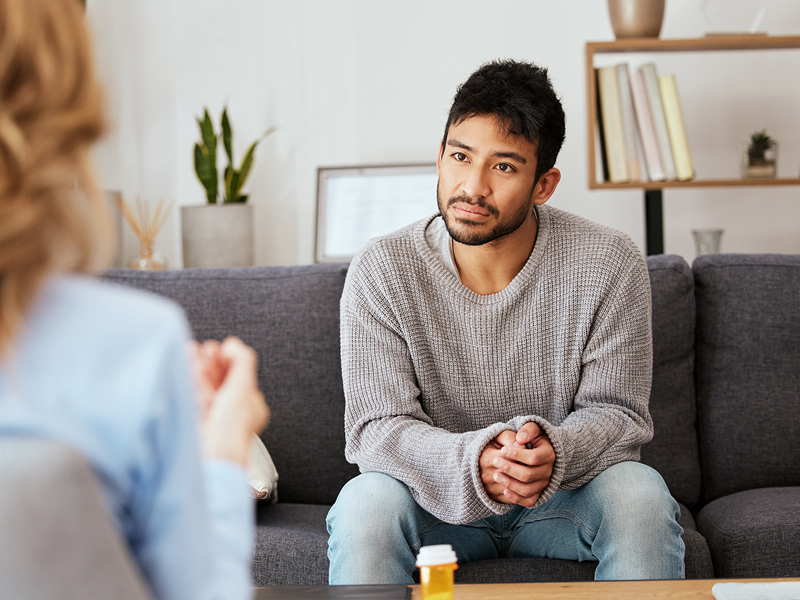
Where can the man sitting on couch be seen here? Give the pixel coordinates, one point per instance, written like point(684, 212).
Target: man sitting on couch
point(497, 360)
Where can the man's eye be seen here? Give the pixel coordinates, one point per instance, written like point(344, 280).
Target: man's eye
point(460, 156)
point(505, 167)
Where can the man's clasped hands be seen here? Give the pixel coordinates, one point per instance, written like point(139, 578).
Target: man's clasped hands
point(516, 466)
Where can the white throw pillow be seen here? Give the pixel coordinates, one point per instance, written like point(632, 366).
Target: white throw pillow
point(261, 473)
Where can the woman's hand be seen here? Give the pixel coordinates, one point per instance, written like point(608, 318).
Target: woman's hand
point(231, 406)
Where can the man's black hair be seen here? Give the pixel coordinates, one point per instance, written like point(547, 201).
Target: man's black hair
point(522, 98)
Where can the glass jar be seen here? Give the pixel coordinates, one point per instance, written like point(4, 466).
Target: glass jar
point(148, 259)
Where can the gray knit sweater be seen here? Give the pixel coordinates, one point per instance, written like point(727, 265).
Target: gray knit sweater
point(433, 371)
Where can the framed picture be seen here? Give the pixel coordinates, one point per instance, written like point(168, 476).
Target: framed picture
point(355, 204)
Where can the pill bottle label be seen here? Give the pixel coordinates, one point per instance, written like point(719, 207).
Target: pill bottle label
point(437, 582)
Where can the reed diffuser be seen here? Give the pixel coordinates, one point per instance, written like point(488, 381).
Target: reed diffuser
point(146, 230)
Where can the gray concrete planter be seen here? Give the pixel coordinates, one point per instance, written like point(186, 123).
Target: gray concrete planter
point(217, 235)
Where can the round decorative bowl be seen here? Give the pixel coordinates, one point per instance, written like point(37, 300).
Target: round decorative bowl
point(636, 18)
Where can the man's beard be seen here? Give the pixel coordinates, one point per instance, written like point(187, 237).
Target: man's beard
point(469, 233)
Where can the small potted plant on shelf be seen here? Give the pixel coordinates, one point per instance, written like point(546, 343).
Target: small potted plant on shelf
point(760, 155)
point(219, 234)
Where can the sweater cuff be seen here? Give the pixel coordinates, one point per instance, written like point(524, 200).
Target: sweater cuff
point(494, 508)
point(559, 465)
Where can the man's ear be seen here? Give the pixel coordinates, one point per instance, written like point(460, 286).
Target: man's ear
point(439, 157)
point(546, 186)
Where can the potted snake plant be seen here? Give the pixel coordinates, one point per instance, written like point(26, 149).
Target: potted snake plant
point(219, 233)
point(760, 155)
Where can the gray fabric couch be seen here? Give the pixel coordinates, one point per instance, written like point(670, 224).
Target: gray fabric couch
point(724, 401)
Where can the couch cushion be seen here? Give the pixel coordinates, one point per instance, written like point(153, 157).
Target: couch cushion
point(748, 371)
point(291, 545)
point(673, 452)
point(697, 560)
point(290, 315)
point(755, 533)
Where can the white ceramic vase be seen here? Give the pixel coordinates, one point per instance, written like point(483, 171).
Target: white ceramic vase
point(217, 235)
point(636, 18)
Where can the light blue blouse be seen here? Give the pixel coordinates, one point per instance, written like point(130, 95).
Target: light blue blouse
point(106, 370)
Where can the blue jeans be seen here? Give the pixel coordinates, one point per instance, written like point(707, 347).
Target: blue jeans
point(625, 519)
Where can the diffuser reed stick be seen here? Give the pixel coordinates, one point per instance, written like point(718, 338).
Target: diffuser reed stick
point(146, 229)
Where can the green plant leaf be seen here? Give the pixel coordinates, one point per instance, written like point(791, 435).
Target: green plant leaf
point(206, 173)
point(761, 141)
point(235, 185)
point(269, 131)
point(232, 185)
point(227, 176)
point(208, 135)
point(205, 157)
point(227, 135)
point(247, 163)
point(199, 164)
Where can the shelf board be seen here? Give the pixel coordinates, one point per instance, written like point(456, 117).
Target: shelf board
point(713, 42)
point(695, 183)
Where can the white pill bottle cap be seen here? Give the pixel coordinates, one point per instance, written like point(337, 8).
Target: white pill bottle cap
point(442, 554)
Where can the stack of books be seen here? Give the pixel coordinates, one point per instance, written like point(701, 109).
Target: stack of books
point(640, 117)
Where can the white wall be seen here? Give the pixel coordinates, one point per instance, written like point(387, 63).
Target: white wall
point(370, 82)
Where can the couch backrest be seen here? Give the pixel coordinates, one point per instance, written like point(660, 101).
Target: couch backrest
point(673, 452)
point(748, 371)
point(290, 315)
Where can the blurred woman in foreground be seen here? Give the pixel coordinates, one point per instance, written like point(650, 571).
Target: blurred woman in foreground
point(102, 368)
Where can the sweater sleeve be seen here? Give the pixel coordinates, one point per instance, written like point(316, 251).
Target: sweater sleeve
point(609, 420)
point(386, 429)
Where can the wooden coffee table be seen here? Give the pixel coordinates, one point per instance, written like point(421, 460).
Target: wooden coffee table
point(590, 590)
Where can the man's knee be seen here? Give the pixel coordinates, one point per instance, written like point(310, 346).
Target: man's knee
point(635, 493)
point(371, 502)
point(639, 536)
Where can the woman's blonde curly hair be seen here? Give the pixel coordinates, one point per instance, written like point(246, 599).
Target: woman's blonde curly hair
point(52, 216)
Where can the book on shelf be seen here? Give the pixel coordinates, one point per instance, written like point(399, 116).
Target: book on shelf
point(629, 126)
point(612, 127)
point(601, 173)
point(650, 79)
point(644, 119)
point(676, 127)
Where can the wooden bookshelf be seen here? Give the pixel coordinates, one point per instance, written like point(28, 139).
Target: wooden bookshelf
point(694, 183)
point(653, 189)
